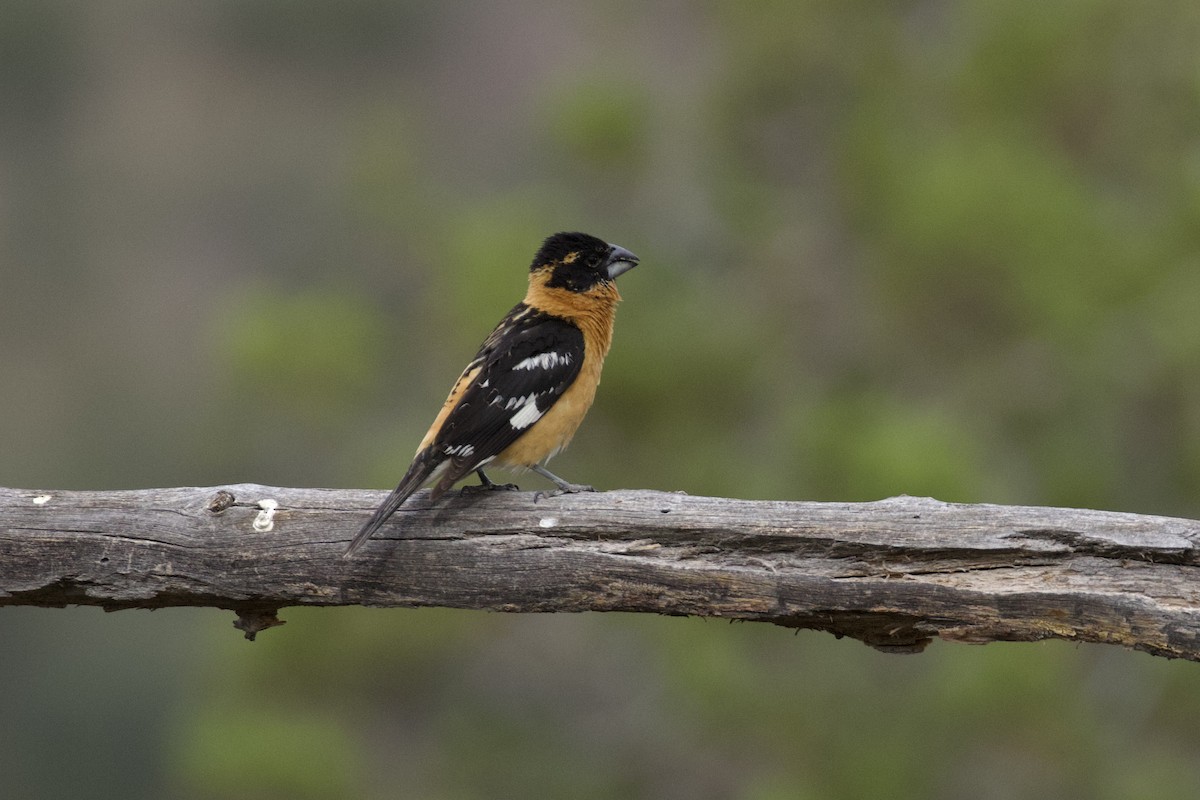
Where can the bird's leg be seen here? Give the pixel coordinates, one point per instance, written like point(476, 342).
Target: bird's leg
point(486, 484)
point(563, 486)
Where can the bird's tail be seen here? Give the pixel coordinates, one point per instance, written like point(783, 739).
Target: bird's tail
point(422, 467)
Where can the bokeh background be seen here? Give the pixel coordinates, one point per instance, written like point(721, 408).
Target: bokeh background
point(918, 247)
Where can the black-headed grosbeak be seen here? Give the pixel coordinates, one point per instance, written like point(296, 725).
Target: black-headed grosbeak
point(524, 394)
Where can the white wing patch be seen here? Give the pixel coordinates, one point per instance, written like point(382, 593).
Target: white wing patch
point(513, 402)
point(462, 450)
point(528, 414)
point(544, 360)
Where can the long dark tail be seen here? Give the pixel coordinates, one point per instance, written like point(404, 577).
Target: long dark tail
point(422, 467)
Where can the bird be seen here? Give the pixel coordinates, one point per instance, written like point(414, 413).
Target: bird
point(522, 397)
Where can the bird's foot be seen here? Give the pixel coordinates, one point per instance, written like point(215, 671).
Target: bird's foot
point(477, 488)
point(564, 488)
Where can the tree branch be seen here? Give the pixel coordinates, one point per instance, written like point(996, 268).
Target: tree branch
point(893, 573)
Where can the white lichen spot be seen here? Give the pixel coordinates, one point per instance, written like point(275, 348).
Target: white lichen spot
point(547, 522)
point(41, 500)
point(265, 521)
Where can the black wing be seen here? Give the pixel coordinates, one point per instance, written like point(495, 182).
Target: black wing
point(526, 363)
point(525, 366)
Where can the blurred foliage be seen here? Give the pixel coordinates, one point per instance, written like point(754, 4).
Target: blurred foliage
point(313, 351)
point(253, 752)
point(917, 247)
point(601, 126)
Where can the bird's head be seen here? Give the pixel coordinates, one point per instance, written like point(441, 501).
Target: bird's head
point(578, 262)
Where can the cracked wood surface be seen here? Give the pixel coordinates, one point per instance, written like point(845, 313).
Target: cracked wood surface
point(894, 573)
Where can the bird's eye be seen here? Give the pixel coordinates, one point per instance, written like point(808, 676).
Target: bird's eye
point(593, 261)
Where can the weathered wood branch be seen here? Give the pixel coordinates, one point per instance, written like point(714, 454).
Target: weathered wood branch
point(894, 573)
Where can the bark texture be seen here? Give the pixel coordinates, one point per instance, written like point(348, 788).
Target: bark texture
point(894, 573)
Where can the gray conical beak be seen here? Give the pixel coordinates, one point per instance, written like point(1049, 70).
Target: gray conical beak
point(620, 261)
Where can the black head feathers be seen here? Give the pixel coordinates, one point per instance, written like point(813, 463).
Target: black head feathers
point(579, 261)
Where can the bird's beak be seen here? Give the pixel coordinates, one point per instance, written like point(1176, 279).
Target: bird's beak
point(620, 261)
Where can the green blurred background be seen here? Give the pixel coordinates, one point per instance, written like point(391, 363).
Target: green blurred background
point(888, 247)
